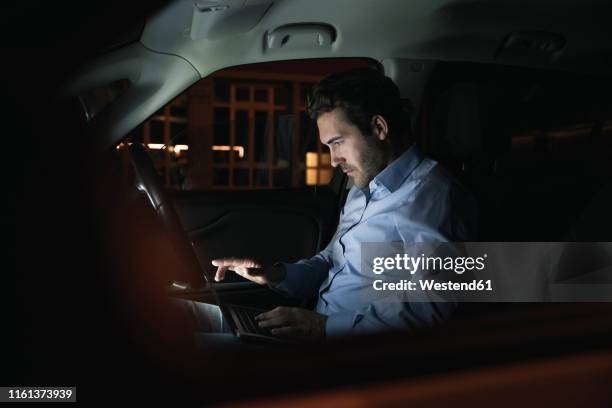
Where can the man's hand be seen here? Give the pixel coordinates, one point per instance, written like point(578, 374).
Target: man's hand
point(294, 322)
point(249, 269)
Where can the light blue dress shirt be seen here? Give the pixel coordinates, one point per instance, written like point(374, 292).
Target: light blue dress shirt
point(413, 200)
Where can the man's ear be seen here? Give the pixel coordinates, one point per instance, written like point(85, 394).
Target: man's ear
point(380, 127)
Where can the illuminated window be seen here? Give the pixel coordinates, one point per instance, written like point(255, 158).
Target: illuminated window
point(318, 169)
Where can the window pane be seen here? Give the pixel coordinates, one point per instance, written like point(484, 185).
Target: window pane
point(261, 177)
point(311, 177)
point(260, 137)
point(178, 133)
point(281, 96)
point(261, 95)
point(221, 126)
point(242, 135)
point(222, 90)
point(178, 111)
point(284, 139)
point(242, 94)
point(220, 177)
point(157, 132)
point(241, 177)
point(325, 176)
point(304, 92)
point(137, 135)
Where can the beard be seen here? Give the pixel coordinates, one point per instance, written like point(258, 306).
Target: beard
point(373, 159)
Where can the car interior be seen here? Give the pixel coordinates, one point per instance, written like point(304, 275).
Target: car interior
point(185, 138)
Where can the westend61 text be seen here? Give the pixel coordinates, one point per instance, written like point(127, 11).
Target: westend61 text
point(430, 284)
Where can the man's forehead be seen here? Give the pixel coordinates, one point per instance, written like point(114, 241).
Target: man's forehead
point(333, 121)
point(328, 133)
point(337, 115)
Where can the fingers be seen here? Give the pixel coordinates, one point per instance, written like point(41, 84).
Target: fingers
point(292, 322)
point(280, 316)
point(240, 270)
point(245, 262)
point(256, 271)
point(221, 271)
point(239, 265)
point(220, 274)
point(277, 311)
point(275, 322)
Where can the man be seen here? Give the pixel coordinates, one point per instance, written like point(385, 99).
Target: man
point(398, 195)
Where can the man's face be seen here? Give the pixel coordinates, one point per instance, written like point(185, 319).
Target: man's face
point(359, 156)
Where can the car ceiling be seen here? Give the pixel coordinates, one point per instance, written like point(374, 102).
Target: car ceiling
point(463, 30)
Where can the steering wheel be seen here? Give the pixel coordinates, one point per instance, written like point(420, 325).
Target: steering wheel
point(147, 181)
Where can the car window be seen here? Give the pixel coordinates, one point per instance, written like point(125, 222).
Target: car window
point(243, 128)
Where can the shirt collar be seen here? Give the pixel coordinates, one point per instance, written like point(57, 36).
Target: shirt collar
point(395, 173)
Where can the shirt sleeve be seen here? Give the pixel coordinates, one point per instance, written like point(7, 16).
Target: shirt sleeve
point(303, 278)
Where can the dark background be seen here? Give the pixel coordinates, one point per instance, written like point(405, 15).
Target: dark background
point(60, 324)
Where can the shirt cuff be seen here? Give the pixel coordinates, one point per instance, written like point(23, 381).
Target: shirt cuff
point(291, 283)
point(339, 324)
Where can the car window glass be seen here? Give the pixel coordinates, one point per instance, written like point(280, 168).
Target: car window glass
point(243, 128)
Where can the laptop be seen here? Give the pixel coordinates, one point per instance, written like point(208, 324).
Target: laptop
point(241, 320)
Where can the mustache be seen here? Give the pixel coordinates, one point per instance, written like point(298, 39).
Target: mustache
point(345, 168)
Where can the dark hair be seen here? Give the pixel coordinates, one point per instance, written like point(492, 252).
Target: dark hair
point(361, 94)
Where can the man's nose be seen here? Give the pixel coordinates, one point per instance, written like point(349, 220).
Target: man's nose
point(335, 159)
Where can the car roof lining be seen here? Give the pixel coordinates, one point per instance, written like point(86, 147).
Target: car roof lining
point(421, 29)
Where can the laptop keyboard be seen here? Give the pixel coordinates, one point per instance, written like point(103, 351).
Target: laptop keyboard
point(247, 320)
